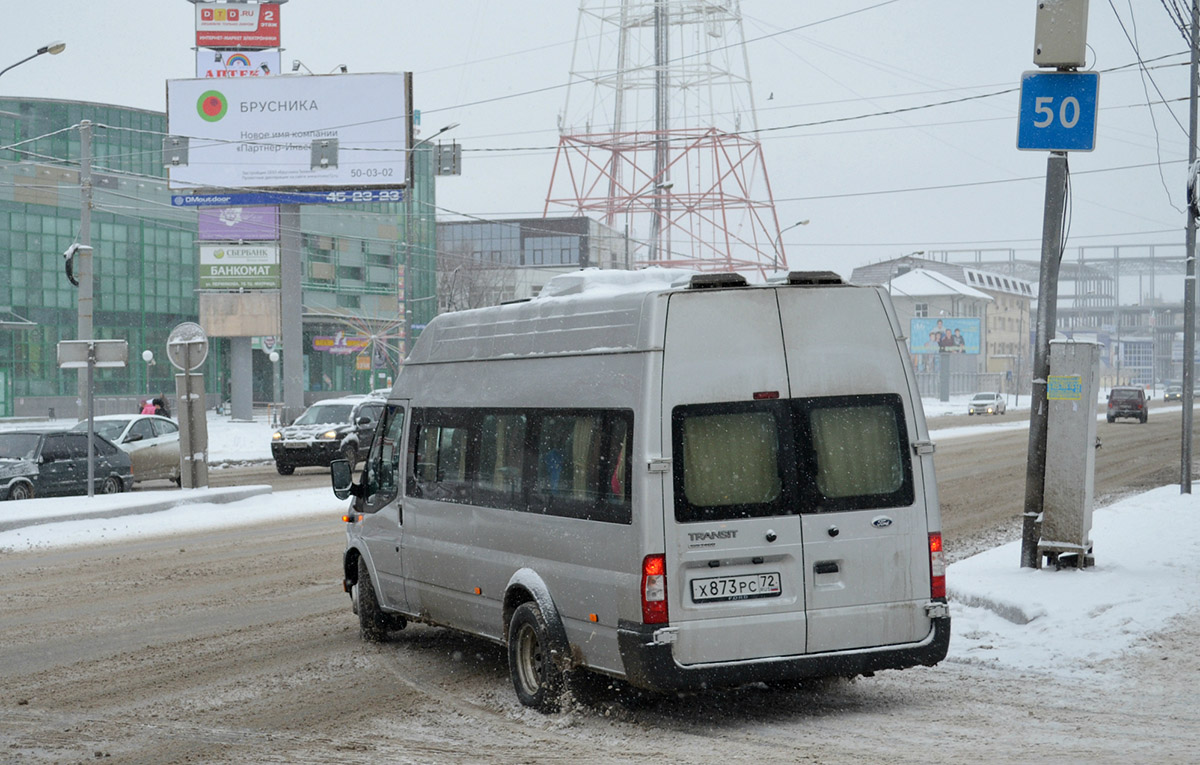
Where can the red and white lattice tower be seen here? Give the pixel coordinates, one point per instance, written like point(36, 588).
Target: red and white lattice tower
point(659, 136)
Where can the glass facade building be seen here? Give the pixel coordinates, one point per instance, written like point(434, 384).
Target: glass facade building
point(357, 262)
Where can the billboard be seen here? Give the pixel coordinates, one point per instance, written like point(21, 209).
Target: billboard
point(239, 266)
point(258, 132)
point(341, 344)
point(215, 64)
point(234, 223)
point(237, 26)
point(927, 335)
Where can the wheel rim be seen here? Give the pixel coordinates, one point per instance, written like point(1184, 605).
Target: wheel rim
point(109, 486)
point(20, 491)
point(529, 660)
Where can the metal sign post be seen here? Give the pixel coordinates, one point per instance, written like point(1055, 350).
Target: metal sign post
point(187, 348)
point(1058, 113)
point(89, 354)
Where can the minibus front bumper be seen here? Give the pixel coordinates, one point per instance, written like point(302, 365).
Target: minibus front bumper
point(650, 665)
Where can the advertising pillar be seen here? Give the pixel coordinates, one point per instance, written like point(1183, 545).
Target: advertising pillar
point(1072, 391)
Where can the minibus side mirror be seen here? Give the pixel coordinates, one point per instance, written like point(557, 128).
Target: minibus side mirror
point(341, 477)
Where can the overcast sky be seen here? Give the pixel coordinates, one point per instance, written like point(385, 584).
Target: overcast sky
point(936, 178)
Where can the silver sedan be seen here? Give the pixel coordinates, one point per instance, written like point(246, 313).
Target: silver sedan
point(151, 441)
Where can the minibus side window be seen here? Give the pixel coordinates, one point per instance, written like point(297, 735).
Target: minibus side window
point(580, 467)
point(568, 458)
point(729, 461)
point(382, 471)
point(501, 460)
point(616, 468)
point(853, 453)
point(445, 446)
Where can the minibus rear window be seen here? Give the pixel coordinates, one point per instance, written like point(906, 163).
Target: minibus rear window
point(853, 453)
point(764, 458)
point(729, 460)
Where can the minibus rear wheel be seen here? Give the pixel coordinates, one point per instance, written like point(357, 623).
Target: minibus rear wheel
point(536, 678)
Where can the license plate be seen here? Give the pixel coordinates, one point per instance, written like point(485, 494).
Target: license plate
point(741, 587)
point(295, 444)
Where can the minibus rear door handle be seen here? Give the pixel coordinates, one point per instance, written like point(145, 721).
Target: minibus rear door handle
point(825, 567)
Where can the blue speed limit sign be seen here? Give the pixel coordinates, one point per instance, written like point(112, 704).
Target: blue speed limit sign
point(1058, 111)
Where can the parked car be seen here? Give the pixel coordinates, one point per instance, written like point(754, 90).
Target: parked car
point(1127, 401)
point(987, 403)
point(1173, 393)
point(336, 428)
point(152, 443)
point(47, 463)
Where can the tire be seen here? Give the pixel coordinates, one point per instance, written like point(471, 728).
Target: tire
point(536, 678)
point(283, 469)
point(1144, 418)
point(111, 485)
point(1111, 418)
point(373, 623)
point(20, 490)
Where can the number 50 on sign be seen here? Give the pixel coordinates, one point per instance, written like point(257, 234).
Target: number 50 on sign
point(1058, 111)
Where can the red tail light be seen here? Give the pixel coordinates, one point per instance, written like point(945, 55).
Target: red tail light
point(937, 566)
point(654, 590)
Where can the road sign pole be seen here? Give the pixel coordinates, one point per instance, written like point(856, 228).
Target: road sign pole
point(1035, 470)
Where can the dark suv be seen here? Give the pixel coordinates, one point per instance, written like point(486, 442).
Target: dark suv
point(336, 428)
point(1127, 401)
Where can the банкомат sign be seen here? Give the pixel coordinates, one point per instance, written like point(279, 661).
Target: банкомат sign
point(239, 266)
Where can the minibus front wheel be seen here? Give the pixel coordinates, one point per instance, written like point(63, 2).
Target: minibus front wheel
point(373, 622)
point(536, 676)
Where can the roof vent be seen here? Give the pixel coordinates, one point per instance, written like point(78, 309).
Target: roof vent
point(713, 281)
point(813, 278)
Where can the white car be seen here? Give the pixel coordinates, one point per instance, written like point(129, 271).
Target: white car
point(151, 441)
point(987, 403)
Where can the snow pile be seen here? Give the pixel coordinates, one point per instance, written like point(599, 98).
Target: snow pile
point(1147, 551)
point(596, 282)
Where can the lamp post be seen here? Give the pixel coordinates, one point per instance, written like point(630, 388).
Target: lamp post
point(148, 357)
point(274, 357)
point(779, 240)
point(665, 186)
point(53, 49)
point(408, 234)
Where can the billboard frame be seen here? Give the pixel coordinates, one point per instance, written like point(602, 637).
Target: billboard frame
point(222, 177)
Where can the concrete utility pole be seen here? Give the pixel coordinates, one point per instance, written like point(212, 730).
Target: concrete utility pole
point(1189, 280)
point(83, 255)
point(291, 311)
point(1047, 319)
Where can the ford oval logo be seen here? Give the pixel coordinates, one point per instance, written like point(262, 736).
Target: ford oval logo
point(882, 522)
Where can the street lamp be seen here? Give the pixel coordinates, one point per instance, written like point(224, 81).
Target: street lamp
point(779, 239)
point(148, 357)
point(53, 49)
point(664, 186)
point(274, 357)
